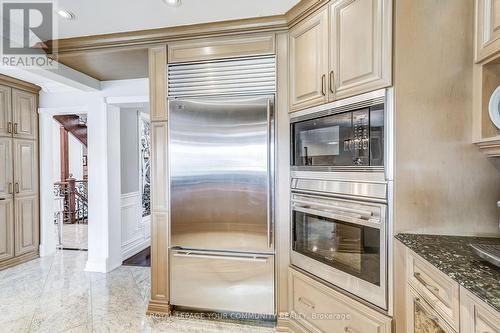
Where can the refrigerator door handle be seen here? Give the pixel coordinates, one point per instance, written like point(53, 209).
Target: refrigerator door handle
point(269, 177)
point(199, 255)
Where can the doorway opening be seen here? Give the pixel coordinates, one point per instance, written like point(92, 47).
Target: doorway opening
point(70, 181)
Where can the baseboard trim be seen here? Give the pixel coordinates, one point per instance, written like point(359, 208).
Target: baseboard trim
point(156, 308)
point(96, 265)
point(18, 260)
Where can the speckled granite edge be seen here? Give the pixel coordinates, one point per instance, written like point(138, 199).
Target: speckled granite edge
point(452, 256)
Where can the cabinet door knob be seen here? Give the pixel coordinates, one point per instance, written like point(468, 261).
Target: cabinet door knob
point(17, 187)
point(332, 81)
point(15, 128)
point(9, 127)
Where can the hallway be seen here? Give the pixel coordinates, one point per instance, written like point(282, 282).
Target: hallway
point(54, 294)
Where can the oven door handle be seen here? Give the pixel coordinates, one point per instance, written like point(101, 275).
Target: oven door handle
point(372, 223)
point(360, 212)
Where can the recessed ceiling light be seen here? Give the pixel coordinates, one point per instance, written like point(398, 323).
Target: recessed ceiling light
point(66, 14)
point(175, 3)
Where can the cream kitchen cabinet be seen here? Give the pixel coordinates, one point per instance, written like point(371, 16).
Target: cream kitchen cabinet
point(343, 50)
point(19, 184)
point(6, 229)
point(487, 28)
point(360, 46)
point(24, 114)
point(437, 303)
point(26, 225)
point(309, 61)
point(25, 168)
point(320, 309)
point(475, 316)
point(5, 111)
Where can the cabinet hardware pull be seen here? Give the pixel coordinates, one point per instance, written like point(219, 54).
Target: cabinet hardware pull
point(323, 84)
point(419, 278)
point(430, 316)
point(2, 199)
point(10, 188)
point(332, 81)
point(17, 187)
point(307, 303)
point(347, 329)
point(9, 127)
point(15, 128)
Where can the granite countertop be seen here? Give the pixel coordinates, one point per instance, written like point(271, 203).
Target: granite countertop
point(452, 256)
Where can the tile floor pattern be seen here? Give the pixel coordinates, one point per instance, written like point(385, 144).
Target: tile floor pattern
point(54, 294)
point(74, 236)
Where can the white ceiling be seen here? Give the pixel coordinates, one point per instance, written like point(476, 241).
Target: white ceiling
point(108, 16)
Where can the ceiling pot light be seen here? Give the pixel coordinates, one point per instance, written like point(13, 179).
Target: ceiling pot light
point(175, 3)
point(66, 14)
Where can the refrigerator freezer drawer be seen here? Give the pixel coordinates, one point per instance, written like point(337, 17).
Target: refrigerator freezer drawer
point(219, 281)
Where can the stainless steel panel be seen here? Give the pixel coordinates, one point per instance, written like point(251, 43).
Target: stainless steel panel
point(360, 190)
point(221, 173)
point(234, 282)
point(237, 76)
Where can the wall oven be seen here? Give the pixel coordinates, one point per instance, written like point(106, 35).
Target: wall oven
point(348, 134)
point(341, 192)
point(342, 241)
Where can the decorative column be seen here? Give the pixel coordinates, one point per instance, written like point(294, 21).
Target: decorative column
point(160, 299)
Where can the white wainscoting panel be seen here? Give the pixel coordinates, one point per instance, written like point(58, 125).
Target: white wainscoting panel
point(136, 230)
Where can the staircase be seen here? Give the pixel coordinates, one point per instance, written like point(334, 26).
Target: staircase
point(74, 124)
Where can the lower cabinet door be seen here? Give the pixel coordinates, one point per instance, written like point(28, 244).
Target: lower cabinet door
point(26, 225)
point(421, 317)
point(6, 229)
point(477, 316)
point(322, 309)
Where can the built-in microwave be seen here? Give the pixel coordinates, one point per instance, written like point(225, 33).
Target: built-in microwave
point(347, 133)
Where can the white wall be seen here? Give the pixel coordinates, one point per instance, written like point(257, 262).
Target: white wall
point(129, 145)
point(75, 157)
point(136, 234)
point(103, 166)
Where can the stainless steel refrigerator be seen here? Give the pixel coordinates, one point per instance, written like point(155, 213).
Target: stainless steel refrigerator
point(221, 191)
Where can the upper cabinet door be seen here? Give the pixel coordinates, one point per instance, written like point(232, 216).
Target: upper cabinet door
point(25, 168)
point(5, 112)
point(487, 28)
point(6, 173)
point(360, 56)
point(24, 114)
point(309, 62)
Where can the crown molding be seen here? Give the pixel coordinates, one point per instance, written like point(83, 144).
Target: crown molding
point(151, 37)
point(19, 84)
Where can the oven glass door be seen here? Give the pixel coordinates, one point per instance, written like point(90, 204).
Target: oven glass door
point(349, 247)
point(325, 141)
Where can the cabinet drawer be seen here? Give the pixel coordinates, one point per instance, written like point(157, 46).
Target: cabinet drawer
point(435, 288)
point(422, 317)
point(322, 309)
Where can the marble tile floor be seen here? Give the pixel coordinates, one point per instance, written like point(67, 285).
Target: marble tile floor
point(74, 236)
point(54, 294)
